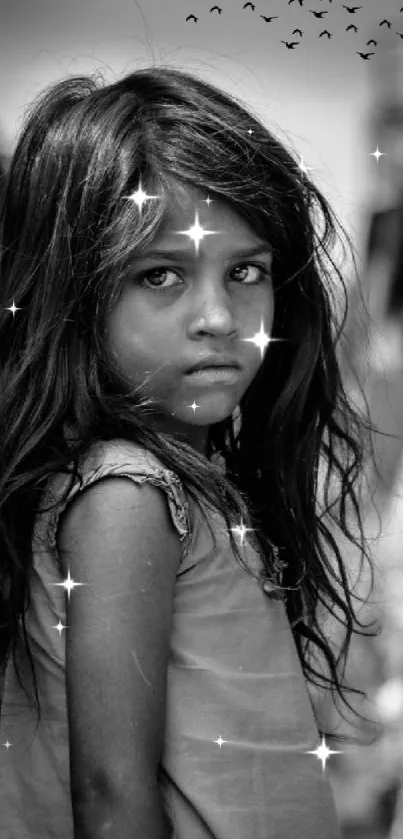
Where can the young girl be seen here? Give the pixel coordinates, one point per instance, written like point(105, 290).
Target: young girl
point(162, 652)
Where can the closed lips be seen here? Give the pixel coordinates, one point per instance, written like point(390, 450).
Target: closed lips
point(213, 362)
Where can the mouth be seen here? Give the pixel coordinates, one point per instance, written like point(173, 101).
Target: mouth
point(215, 361)
point(228, 374)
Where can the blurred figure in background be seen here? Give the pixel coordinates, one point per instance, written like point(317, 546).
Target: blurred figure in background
point(386, 403)
point(370, 791)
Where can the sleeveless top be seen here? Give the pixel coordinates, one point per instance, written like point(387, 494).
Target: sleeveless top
point(239, 722)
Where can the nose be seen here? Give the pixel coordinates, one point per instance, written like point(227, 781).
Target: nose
point(215, 311)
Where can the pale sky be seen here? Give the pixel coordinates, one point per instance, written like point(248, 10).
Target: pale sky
point(317, 97)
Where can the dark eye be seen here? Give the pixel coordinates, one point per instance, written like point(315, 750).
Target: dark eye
point(257, 268)
point(263, 274)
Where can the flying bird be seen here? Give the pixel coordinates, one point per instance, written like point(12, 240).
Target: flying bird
point(351, 9)
point(365, 55)
point(399, 34)
point(388, 23)
point(213, 8)
point(325, 32)
point(291, 1)
point(192, 17)
point(371, 41)
point(291, 44)
point(249, 4)
point(297, 30)
point(269, 19)
point(352, 27)
point(318, 14)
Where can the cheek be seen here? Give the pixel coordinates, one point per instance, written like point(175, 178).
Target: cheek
point(137, 347)
point(115, 335)
point(123, 340)
point(262, 310)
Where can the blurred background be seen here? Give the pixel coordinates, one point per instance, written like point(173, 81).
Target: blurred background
point(336, 100)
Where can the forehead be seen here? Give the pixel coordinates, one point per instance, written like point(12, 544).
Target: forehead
point(216, 215)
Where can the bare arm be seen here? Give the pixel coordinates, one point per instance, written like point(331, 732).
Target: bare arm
point(118, 539)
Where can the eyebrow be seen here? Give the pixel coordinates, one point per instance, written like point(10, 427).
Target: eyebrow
point(187, 255)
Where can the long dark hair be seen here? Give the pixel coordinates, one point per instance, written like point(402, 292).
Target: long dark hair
point(68, 236)
point(2, 181)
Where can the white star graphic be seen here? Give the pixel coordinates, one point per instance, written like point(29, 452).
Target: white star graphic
point(241, 530)
point(377, 154)
point(220, 741)
point(322, 752)
point(68, 584)
point(7, 744)
point(261, 339)
point(197, 232)
point(13, 309)
point(139, 197)
point(59, 626)
point(193, 406)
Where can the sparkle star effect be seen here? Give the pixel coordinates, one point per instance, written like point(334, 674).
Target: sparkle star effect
point(220, 741)
point(68, 584)
point(240, 530)
point(377, 154)
point(60, 626)
point(193, 406)
point(7, 744)
point(261, 339)
point(140, 197)
point(197, 233)
point(322, 752)
point(13, 309)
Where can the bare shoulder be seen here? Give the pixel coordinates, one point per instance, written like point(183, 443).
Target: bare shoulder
point(125, 513)
point(117, 539)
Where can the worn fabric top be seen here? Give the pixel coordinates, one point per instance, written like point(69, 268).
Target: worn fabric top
point(239, 721)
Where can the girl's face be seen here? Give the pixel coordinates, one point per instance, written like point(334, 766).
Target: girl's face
point(176, 309)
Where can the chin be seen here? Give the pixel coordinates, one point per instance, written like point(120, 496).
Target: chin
point(207, 415)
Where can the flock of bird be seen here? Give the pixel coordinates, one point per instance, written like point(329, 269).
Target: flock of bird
point(352, 10)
